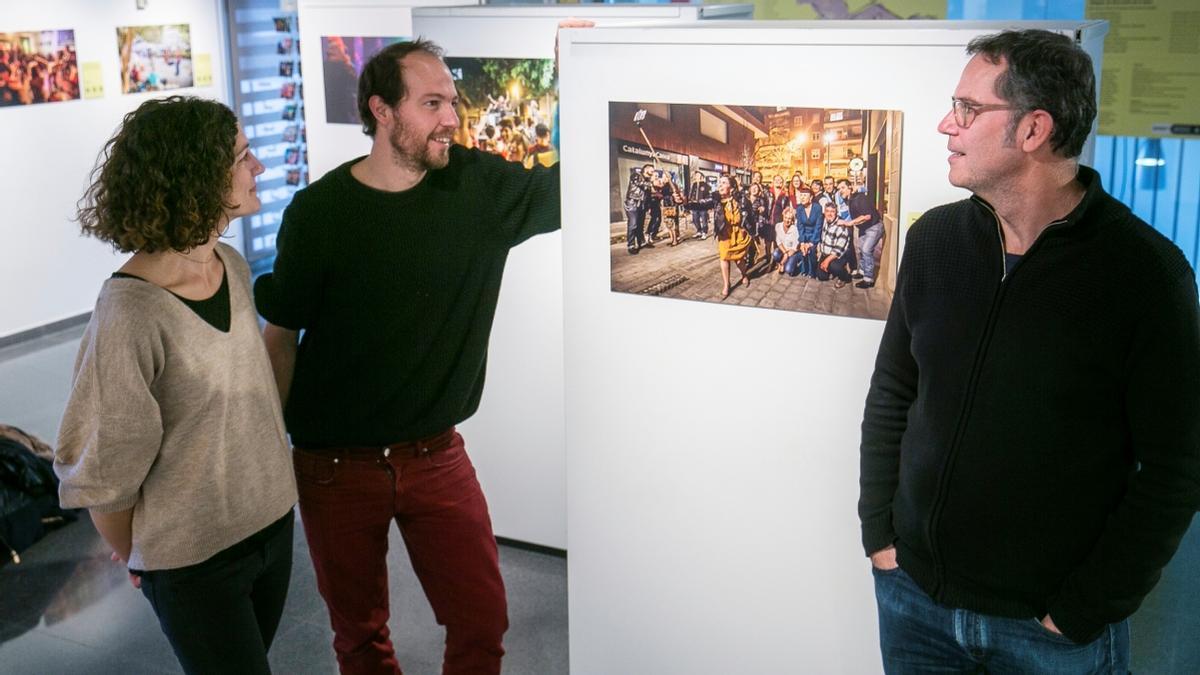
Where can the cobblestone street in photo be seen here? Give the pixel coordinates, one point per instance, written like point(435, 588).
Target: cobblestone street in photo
point(691, 271)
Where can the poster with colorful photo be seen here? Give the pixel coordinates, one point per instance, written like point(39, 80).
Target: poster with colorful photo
point(343, 58)
point(507, 107)
point(155, 58)
point(38, 67)
point(765, 206)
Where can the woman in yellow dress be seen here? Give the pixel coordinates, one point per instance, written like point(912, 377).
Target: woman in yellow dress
point(733, 241)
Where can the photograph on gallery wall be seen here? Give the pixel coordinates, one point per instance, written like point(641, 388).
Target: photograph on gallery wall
point(766, 206)
point(155, 58)
point(507, 107)
point(38, 67)
point(342, 60)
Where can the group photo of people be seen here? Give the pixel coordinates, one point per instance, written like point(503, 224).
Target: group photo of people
point(155, 58)
point(804, 195)
point(507, 107)
point(38, 67)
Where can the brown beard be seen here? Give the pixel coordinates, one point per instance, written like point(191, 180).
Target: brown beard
point(422, 161)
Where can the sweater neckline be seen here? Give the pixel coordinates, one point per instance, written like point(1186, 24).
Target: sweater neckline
point(347, 178)
point(181, 303)
point(1087, 177)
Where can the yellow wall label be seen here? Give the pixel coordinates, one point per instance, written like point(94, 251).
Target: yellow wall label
point(91, 79)
point(202, 67)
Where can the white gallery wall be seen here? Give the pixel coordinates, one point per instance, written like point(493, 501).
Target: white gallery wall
point(528, 30)
point(712, 520)
point(47, 271)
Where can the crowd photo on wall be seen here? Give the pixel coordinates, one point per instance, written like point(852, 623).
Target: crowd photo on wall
point(38, 67)
point(771, 206)
point(507, 107)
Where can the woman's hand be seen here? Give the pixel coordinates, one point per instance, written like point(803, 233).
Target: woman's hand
point(116, 529)
point(134, 580)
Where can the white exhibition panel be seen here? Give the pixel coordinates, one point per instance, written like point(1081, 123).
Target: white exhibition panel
point(530, 29)
point(516, 439)
point(712, 451)
point(48, 272)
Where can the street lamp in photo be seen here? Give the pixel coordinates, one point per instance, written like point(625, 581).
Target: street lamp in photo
point(830, 137)
point(796, 148)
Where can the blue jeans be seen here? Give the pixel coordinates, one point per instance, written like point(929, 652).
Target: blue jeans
point(916, 635)
point(700, 220)
point(808, 263)
point(791, 266)
point(867, 239)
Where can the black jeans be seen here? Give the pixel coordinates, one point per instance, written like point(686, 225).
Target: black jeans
point(220, 615)
point(838, 268)
point(633, 230)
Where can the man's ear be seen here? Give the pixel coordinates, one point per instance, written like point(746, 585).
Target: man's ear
point(1034, 131)
point(381, 110)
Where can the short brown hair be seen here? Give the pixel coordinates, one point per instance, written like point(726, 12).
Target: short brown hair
point(383, 76)
point(161, 180)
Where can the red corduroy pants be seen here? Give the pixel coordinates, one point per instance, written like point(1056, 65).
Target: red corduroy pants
point(348, 500)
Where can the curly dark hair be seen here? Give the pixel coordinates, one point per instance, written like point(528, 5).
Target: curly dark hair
point(160, 182)
point(383, 76)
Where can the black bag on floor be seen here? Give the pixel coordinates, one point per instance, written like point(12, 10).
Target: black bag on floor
point(28, 497)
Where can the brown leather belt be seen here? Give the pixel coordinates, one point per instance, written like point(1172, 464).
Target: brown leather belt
point(403, 449)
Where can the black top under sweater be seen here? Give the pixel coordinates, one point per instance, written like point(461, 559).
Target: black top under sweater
point(1008, 414)
point(214, 309)
point(396, 292)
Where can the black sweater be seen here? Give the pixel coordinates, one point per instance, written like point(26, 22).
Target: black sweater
point(396, 292)
point(1031, 443)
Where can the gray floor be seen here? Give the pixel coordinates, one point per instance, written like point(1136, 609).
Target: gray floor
point(68, 609)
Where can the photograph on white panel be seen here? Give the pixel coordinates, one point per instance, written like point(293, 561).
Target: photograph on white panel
point(342, 59)
point(38, 67)
point(765, 206)
point(155, 58)
point(507, 107)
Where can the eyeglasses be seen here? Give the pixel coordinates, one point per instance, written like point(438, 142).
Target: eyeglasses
point(964, 113)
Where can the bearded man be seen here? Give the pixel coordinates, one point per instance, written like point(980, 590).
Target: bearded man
point(391, 266)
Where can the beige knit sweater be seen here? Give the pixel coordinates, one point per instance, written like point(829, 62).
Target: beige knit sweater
point(176, 419)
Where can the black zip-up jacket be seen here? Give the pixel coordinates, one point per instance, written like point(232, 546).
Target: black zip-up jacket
point(1031, 441)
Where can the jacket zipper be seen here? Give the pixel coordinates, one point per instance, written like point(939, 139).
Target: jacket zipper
point(1003, 252)
point(935, 515)
point(1000, 237)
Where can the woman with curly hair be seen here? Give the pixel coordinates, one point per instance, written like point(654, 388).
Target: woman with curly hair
point(173, 436)
point(733, 241)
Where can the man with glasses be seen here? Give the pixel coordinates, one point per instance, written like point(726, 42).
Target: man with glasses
point(1030, 445)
